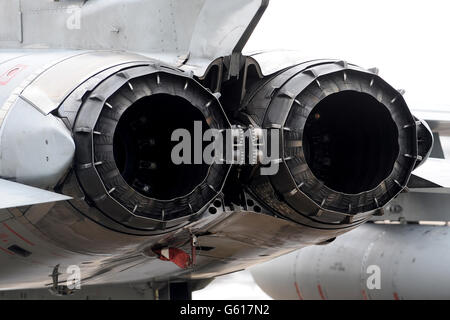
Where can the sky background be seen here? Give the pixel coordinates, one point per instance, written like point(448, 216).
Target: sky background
point(408, 40)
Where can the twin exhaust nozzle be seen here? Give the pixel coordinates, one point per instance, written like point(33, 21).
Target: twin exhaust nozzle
point(324, 141)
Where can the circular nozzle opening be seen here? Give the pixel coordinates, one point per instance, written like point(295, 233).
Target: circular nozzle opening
point(143, 146)
point(131, 171)
point(351, 142)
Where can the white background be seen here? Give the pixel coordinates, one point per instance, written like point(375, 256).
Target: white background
point(408, 40)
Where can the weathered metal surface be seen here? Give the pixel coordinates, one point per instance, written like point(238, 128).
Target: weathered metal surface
point(410, 261)
point(175, 31)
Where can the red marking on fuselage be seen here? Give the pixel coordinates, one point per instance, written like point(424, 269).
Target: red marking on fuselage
point(364, 295)
point(10, 74)
point(4, 237)
point(396, 296)
point(18, 235)
point(57, 255)
point(321, 292)
point(7, 251)
point(38, 263)
point(300, 297)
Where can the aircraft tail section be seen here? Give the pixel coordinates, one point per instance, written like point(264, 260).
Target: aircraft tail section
point(173, 31)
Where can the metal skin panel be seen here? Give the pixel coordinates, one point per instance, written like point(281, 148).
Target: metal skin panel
point(413, 260)
point(128, 291)
point(230, 32)
point(217, 42)
point(19, 69)
point(413, 207)
point(12, 54)
point(54, 234)
point(173, 30)
point(40, 153)
point(125, 28)
point(10, 30)
point(18, 195)
point(31, 271)
point(4, 215)
point(46, 94)
point(277, 60)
